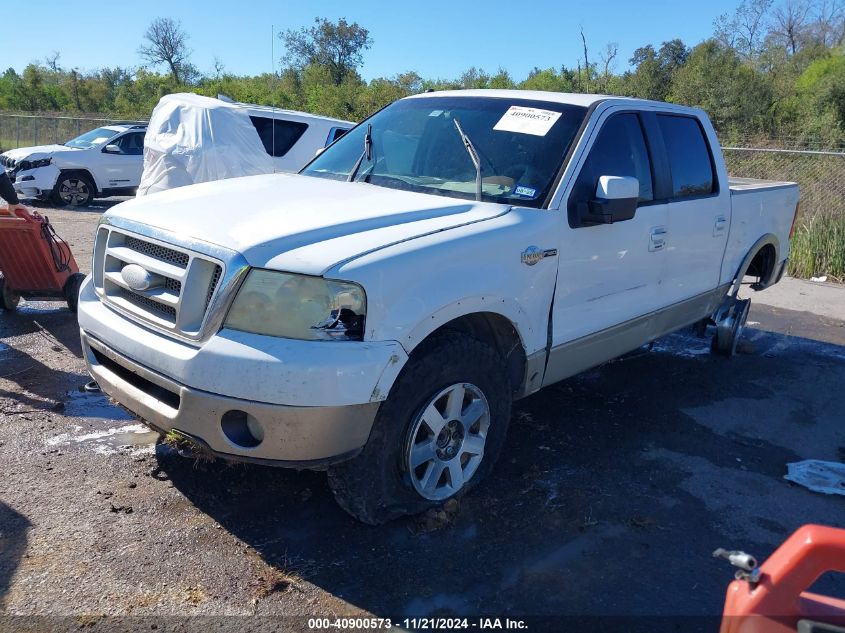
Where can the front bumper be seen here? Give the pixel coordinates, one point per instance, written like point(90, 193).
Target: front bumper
point(36, 183)
point(314, 402)
point(301, 437)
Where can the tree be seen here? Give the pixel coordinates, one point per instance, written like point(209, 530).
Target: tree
point(168, 44)
point(744, 31)
point(338, 46)
point(654, 71)
point(791, 24)
point(733, 93)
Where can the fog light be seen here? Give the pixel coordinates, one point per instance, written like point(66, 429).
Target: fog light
point(241, 428)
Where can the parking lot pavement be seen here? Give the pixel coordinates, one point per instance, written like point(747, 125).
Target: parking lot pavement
point(613, 490)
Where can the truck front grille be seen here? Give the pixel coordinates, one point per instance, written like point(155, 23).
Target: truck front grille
point(184, 281)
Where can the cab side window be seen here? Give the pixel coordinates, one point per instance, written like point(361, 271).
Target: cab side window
point(131, 144)
point(619, 150)
point(689, 156)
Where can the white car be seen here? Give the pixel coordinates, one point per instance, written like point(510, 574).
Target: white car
point(106, 161)
point(109, 161)
point(377, 314)
point(192, 139)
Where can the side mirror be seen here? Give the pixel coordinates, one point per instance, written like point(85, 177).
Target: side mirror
point(112, 149)
point(615, 201)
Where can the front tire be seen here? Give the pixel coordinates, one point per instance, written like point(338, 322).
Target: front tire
point(71, 290)
point(9, 299)
point(436, 436)
point(73, 189)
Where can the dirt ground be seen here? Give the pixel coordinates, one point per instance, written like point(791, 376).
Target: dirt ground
point(612, 492)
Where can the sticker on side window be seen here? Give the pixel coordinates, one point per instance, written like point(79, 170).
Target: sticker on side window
point(527, 120)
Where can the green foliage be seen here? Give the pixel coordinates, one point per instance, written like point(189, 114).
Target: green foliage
point(734, 95)
point(818, 247)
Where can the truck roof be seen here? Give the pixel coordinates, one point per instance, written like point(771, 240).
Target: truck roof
point(569, 98)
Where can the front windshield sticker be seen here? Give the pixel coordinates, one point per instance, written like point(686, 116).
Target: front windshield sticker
point(436, 113)
point(527, 121)
point(522, 190)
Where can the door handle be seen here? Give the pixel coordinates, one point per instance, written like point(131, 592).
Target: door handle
point(657, 240)
point(720, 225)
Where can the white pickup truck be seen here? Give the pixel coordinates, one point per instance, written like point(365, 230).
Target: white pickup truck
point(377, 314)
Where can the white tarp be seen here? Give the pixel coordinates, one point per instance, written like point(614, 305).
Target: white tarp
point(193, 139)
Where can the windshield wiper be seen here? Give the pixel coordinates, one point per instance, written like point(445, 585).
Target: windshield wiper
point(367, 153)
point(473, 156)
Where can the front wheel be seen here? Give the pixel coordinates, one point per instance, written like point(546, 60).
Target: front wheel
point(436, 436)
point(73, 189)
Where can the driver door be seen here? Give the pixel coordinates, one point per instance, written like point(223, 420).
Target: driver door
point(122, 169)
point(609, 275)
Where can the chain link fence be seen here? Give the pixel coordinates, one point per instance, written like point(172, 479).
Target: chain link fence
point(25, 130)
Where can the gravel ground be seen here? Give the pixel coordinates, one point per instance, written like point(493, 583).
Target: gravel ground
point(614, 488)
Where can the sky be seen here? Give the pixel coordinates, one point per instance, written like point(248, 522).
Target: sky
point(436, 38)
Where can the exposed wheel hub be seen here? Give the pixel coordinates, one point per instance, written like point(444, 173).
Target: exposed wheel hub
point(449, 440)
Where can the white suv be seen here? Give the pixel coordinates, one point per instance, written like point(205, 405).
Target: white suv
point(106, 161)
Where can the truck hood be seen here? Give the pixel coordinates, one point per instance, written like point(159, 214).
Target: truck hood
point(300, 223)
point(37, 152)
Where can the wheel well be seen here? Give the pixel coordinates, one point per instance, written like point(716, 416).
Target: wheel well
point(498, 332)
point(763, 264)
point(84, 172)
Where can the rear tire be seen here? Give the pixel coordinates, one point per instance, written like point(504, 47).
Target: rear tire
point(448, 413)
point(71, 290)
point(9, 299)
point(73, 189)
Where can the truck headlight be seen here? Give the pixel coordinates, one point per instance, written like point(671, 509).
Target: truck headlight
point(298, 307)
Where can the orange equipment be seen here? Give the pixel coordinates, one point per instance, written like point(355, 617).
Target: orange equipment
point(35, 263)
point(774, 598)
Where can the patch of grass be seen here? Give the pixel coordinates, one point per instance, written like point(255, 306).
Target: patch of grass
point(279, 581)
point(818, 247)
point(194, 595)
point(186, 447)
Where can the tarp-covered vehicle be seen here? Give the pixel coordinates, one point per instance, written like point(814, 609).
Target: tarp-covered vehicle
point(192, 139)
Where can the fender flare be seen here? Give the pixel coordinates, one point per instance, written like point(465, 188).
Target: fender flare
point(501, 306)
point(769, 239)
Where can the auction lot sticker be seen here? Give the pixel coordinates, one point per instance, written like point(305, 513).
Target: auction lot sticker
point(527, 120)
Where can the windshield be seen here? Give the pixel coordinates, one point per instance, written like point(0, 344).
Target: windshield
point(92, 138)
point(416, 146)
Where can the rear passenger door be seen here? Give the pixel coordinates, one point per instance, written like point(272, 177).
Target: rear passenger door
point(699, 213)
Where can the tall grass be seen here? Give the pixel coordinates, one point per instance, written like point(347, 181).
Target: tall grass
point(818, 247)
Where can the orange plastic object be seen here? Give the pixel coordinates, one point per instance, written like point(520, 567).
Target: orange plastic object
point(26, 260)
point(781, 599)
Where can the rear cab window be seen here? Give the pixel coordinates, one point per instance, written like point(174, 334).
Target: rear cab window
point(278, 136)
point(690, 159)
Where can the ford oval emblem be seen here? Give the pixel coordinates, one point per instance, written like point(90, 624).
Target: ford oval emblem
point(137, 277)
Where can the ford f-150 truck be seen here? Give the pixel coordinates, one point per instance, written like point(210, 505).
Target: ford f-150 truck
point(376, 314)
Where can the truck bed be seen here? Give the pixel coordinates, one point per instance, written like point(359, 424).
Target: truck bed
point(742, 185)
point(758, 207)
